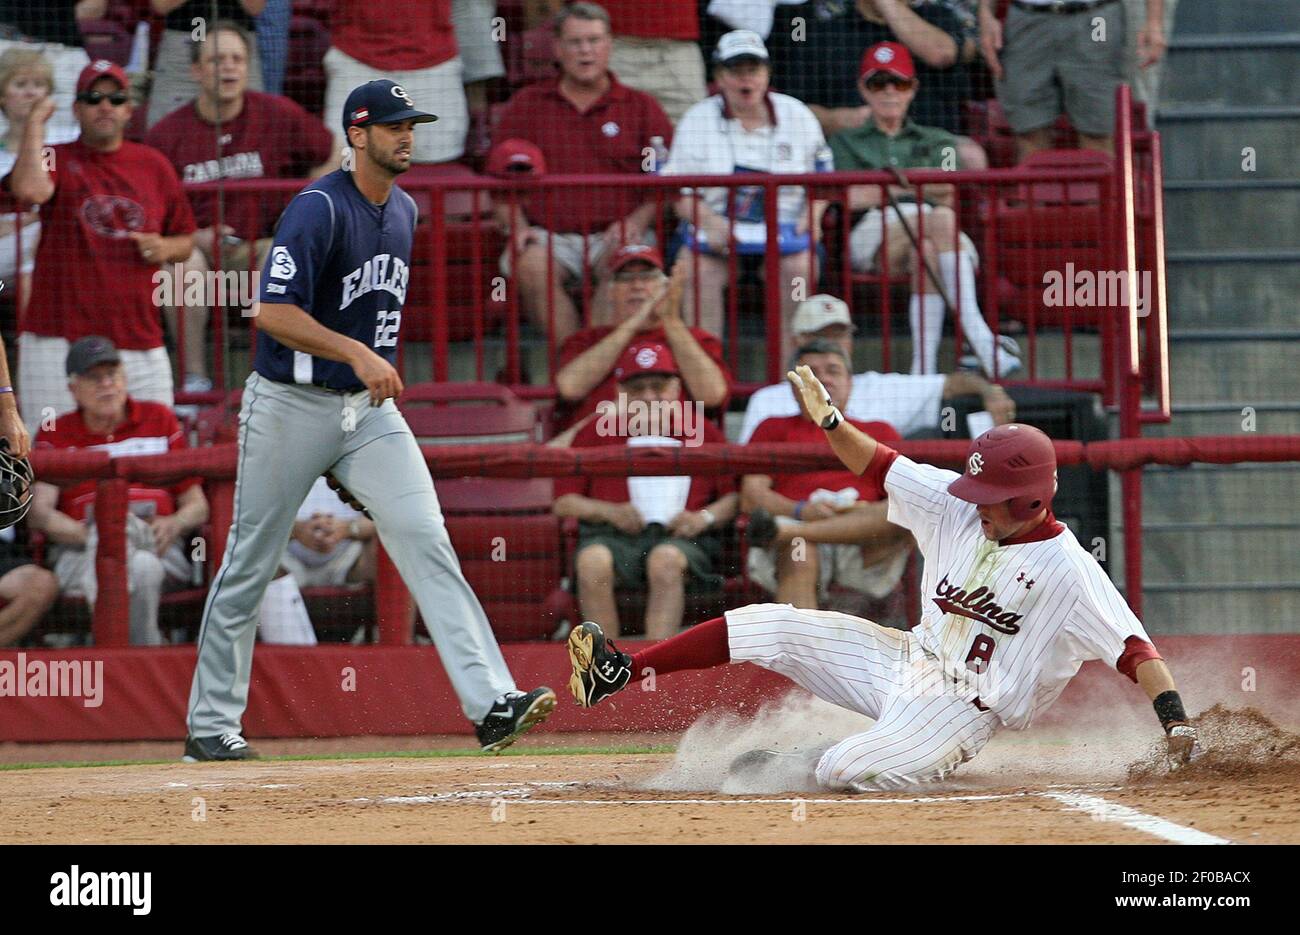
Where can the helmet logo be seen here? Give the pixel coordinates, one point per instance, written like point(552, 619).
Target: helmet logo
point(975, 464)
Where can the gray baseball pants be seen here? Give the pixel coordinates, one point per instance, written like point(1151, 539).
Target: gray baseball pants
point(290, 435)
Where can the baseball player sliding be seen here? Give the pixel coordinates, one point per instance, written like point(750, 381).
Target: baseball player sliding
point(320, 399)
point(1012, 607)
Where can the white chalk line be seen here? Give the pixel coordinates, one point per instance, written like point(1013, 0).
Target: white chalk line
point(1102, 810)
point(1096, 806)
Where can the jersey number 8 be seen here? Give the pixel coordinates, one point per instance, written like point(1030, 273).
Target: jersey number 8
point(386, 325)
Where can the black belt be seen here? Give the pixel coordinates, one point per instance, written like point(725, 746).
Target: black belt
point(1061, 6)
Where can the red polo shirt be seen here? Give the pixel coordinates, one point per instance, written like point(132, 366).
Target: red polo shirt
point(704, 489)
point(271, 138)
point(397, 35)
point(90, 277)
point(801, 486)
point(668, 19)
point(610, 138)
point(580, 341)
point(149, 428)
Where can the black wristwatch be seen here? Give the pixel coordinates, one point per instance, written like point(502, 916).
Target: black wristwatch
point(832, 420)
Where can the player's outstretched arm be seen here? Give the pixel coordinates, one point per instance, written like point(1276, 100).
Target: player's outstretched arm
point(853, 446)
point(1157, 681)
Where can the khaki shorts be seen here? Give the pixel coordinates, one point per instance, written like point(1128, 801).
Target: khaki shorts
point(669, 70)
point(836, 564)
point(332, 574)
point(1053, 64)
point(866, 237)
point(481, 54)
point(568, 250)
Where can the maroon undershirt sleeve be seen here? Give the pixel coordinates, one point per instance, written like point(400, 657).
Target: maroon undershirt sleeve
point(880, 464)
point(701, 647)
point(1136, 652)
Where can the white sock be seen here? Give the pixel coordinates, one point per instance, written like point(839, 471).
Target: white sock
point(927, 310)
point(954, 265)
point(284, 615)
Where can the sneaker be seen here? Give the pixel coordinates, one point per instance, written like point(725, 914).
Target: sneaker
point(599, 669)
point(197, 384)
point(511, 715)
point(1008, 359)
point(228, 746)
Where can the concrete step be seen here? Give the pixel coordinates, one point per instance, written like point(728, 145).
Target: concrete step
point(1242, 372)
point(1220, 493)
point(1229, 420)
point(1256, 611)
point(1206, 290)
point(1253, 70)
point(1232, 218)
point(1216, 149)
point(1219, 555)
point(1216, 17)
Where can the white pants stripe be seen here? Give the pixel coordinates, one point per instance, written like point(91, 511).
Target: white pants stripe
point(922, 731)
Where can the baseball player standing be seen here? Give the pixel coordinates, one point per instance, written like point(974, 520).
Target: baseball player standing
point(1012, 607)
point(320, 399)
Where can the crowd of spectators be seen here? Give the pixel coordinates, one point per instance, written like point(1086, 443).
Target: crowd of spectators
point(93, 159)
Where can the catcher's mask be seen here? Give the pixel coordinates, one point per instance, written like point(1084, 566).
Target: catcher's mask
point(15, 486)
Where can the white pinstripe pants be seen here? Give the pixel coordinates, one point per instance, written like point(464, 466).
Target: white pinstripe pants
point(923, 729)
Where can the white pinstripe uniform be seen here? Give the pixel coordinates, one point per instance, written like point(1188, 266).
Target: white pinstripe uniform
point(1003, 629)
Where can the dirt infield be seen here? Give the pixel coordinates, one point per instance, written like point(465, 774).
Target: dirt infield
point(1038, 787)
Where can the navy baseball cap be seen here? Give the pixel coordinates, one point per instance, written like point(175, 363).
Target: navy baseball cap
point(90, 351)
point(381, 101)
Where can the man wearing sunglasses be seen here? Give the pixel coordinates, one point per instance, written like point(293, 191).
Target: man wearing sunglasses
point(112, 211)
point(891, 140)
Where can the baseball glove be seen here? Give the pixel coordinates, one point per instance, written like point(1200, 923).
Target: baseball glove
point(346, 495)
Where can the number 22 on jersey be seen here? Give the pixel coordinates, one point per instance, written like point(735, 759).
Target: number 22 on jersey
point(386, 327)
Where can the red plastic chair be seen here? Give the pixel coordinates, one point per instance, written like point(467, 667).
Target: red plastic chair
point(467, 413)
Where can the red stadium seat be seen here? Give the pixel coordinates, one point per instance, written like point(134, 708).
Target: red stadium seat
point(467, 413)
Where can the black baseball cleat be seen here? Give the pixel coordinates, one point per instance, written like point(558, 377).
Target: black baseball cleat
point(227, 746)
point(511, 715)
point(599, 669)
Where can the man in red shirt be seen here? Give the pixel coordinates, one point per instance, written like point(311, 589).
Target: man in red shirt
point(585, 122)
point(842, 514)
point(261, 136)
point(111, 212)
point(161, 518)
point(646, 307)
point(656, 49)
point(413, 43)
point(643, 532)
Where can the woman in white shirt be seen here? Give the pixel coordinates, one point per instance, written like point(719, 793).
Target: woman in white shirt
point(25, 77)
point(746, 128)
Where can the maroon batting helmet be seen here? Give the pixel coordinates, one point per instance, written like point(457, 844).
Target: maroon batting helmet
point(1012, 463)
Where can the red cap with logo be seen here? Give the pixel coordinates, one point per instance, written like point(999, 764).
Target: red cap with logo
point(101, 68)
point(515, 157)
point(636, 253)
point(643, 357)
point(890, 57)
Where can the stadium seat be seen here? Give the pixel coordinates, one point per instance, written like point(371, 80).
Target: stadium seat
point(467, 414)
point(1040, 227)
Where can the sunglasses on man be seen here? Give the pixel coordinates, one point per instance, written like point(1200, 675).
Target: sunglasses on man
point(116, 98)
point(880, 82)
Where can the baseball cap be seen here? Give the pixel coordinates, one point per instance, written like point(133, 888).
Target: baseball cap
point(90, 351)
point(515, 157)
point(381, 101)
point(636, 253)
point(101, 68)
point(815, 313)
point(740, 44)
point(891, 57)
point(642, 357)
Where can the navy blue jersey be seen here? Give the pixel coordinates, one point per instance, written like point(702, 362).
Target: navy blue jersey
point(346, 262)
